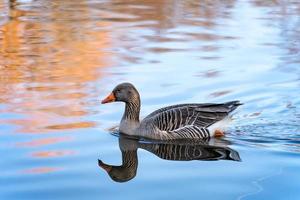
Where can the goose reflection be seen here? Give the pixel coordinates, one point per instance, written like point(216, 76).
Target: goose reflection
point(207, 150)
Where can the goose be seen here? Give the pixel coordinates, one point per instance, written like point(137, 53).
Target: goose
point(182, 121)
point(176, 150)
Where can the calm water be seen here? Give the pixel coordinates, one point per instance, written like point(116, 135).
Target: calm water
point(59, 59)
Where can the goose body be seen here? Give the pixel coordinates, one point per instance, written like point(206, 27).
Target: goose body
point(183, 121)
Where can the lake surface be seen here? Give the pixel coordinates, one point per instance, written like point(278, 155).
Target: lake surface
point(59, 59)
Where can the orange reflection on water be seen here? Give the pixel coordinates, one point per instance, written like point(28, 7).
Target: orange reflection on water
point(43, 142)
point(71, 125)
point(50, 154)
point(64, 111)
point(45, 65)
point(41, 170)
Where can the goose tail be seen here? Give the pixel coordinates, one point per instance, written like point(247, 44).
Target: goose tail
point(232, 105)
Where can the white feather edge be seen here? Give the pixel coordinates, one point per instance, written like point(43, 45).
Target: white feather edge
point(220, 125)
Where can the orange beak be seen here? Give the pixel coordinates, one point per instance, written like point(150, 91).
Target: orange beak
point(104, 166)
point(110, 98)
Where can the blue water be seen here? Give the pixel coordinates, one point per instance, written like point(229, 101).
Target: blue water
point(59, 59)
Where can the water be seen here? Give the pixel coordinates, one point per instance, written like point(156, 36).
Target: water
point(58, 60)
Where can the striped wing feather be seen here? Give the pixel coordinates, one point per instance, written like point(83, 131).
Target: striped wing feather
point(187, 116)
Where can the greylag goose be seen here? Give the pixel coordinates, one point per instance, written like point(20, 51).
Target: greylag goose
point(206, 150)
point(183, 121)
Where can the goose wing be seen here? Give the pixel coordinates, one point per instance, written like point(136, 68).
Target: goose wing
point(200, 115)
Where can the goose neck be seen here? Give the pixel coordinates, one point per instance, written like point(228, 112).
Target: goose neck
point(132, 111)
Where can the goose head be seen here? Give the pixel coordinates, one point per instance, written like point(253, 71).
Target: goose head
point(124, 92)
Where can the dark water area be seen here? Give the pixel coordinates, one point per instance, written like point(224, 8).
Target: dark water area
point(58, 59)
